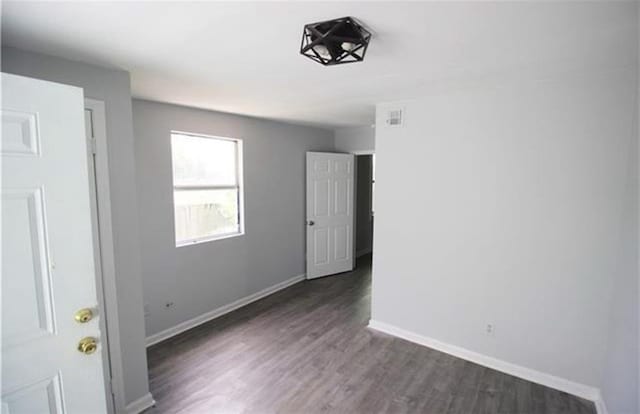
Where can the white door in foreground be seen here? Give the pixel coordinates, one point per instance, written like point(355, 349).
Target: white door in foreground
point(330, 213)
point(48, 270)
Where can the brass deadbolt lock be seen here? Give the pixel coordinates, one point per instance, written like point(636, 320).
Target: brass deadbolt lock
point(84, 315)
point(87, 345)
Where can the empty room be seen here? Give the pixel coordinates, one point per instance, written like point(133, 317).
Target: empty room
point(305, 207)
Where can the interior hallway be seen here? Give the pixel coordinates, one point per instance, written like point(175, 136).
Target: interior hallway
point(306, 349)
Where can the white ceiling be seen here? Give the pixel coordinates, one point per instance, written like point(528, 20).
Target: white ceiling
point(242, 57)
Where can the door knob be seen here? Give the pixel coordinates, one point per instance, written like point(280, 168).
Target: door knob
point(84, 315)
point(87, 345)
point(311, 222)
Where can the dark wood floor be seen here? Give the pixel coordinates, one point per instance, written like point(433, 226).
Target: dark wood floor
point(306, 349)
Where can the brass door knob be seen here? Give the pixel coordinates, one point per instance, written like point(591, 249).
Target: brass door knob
point(84, 315)
point(87, 345)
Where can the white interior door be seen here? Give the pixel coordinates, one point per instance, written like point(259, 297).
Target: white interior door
point(330, 213)
point(48, 271)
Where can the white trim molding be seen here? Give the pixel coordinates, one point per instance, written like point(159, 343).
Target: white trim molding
point(104, 248)
point(141, 404)
point(216, 313)
point(601, 407)
point(548, 380)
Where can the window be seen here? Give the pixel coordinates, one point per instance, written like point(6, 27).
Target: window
point(207, 187)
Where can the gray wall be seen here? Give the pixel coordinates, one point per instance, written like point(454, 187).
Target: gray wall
point(522, 189)
point(203, 277)
point(364, 221)
point(621, 384)
point(354, 139)
point(112, 87)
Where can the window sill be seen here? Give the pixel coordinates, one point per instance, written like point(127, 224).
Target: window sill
point(192, 242)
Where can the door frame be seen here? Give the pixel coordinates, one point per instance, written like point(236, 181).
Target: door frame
point(363, 152)
point(370, 216)
point(105, 256)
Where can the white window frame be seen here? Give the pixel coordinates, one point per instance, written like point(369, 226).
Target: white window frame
point(239, 186)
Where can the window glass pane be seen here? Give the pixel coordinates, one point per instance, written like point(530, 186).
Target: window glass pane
point(205, 213)
point(203, 161)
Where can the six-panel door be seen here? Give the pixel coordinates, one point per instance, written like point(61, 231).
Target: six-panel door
point(330, 213)
point(47, 253)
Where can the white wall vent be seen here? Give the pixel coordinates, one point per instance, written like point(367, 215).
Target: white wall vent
point(394, 118)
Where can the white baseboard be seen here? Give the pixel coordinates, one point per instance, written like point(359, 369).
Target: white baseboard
point(141, 404)
point(363, 252)
point(580, 390)
point(601, 407)
point(199, 320)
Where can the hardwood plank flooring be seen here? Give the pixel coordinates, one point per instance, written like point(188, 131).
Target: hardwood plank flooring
point(306, 349)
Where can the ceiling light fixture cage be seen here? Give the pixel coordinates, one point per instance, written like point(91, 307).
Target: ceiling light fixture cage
point(336, 41)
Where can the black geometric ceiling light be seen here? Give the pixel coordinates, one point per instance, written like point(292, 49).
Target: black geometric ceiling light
point(335, 41)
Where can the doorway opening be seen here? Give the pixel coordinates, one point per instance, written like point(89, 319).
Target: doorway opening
point(365, 206)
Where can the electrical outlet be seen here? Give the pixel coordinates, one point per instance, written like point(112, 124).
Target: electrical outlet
point(490, 329)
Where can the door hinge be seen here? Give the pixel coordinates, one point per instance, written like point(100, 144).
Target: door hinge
point(111, 387)
point(93, 145)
